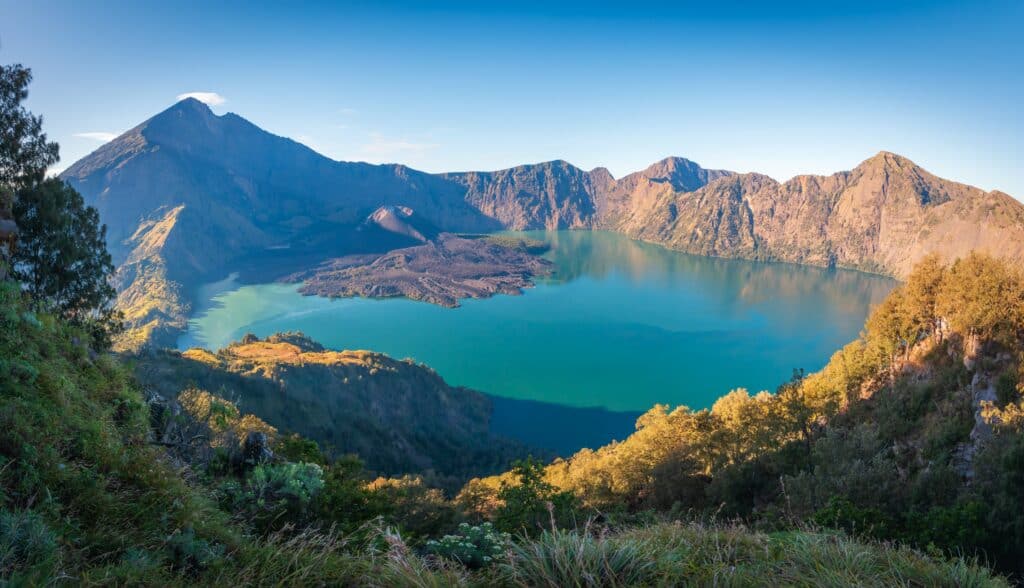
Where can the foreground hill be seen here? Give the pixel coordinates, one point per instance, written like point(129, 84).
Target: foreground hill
point(190, 196)
point(400, 417)
point(89, 496)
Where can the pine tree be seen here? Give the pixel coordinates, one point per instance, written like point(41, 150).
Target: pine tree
point(61, 259)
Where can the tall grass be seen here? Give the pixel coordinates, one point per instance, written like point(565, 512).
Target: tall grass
point(697, 555)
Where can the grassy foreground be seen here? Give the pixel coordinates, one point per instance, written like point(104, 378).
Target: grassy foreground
point(87, 498)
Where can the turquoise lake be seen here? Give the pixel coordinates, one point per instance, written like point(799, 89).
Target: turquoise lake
point(620, 325)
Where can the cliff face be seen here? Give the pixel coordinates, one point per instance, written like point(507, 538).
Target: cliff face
point(552, 195)
point(882, 216)
point(242, 195)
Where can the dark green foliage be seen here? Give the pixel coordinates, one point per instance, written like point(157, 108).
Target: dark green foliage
point(1006, 388)
point(295, 447)
point(950, 528)
point(61, 258)
point(472, 546)
point(274, 495)
point(531, 505)
point(345, 501)
point(840, 513)
point(190, 554)
point(25, 153)
point(73, 441)
point(28, 548)
point(1000, 486)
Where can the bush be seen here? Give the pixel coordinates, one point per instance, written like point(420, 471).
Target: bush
point(275, 494)
point(27, 546)
point(295, 447)
point(1006, 388)
point(473, 547)
point(533, 504)
point(842, 514)
point(187, 553)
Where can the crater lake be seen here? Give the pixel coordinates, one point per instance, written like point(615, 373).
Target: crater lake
point(620, 325)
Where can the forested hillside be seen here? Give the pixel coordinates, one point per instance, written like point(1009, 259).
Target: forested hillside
point(398, 416)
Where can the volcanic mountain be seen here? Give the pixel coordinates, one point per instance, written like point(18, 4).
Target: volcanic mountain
point(189, 195)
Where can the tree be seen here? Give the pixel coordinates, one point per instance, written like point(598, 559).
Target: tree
point(921, 295)
point(24, 151)
point(62, 258)
point(533, 504)
point(982, 298)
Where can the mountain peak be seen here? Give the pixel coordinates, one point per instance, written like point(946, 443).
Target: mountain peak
point(683, 175)
point(888, 160)
point(190, 104)
point(185, 110)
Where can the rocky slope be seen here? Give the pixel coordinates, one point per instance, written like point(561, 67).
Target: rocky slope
point(883, 216)
point(241, 195)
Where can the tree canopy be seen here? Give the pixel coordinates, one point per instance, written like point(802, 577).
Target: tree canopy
point(25, 152)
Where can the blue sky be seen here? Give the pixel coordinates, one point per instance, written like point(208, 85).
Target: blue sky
point(780, 88)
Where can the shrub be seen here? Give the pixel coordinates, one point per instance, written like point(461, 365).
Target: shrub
point(295, 447)
point(532, 504)
point(1006, 388)
point(840, 513)
point(411, 505)
point(275, 494)
point(473, 547)
point(26, 545)
point(188, 553)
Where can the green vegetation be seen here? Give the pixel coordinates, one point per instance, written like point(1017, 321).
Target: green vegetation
point(25, 153)
point(473, 546)
point(61, 258)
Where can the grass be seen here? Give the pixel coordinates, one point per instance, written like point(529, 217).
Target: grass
point(681, 554)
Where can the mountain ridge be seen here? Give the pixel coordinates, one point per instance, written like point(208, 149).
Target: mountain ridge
point(241, 192)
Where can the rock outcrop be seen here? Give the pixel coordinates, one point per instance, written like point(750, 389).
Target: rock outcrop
point(441, 271)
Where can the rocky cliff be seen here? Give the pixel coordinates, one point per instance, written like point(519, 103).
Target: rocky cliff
point(883, 216)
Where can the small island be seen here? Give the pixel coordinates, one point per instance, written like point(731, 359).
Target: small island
point(441, 271)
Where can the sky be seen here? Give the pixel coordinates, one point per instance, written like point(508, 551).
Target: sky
point(782, 88)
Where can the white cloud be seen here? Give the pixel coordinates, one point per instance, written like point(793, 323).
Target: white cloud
point(100, 136)
point(208, 98)
point(347, 111)
point(381, 145)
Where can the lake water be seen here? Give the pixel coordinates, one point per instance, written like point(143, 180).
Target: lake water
point(621, 325)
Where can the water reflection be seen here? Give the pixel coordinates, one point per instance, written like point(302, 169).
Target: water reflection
point(601, 254)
